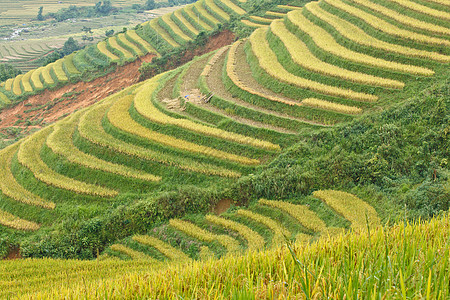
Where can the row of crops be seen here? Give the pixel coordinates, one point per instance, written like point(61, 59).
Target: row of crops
point(222, 114)
point(156, 36)
point(263, 225)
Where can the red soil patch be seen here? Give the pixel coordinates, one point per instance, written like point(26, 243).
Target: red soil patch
point(88, 93)
point(13, 254)
point(222, 206)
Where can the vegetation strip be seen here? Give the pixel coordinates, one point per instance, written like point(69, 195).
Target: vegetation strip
point(194, 231)
point(303, 214)
point(103, 49)
point(119, 117)
point(325, 41)
point(60, 141)
point(145, 107)
point(404, 19)
point(281, 233)
point(9, 220)
point(357, 211)
point(302, 56)
point(132, 253)
point(269, 62)
point(90, 128)
point(29, 156)
point(255, 241)
point(169, 251)
point(11, 188)
point(387, 27)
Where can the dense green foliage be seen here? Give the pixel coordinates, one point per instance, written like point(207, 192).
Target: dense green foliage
point(8, 71)
point(73, 11)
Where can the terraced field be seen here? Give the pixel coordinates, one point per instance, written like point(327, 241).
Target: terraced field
point(265, 224)
point(156, 36)
point(217, 118)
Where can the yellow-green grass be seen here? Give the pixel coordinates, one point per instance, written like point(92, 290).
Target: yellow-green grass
point(90, 128)
point(203, 12)
point(29, 156)
point(159, 30)
point(410, 260)
point(11, 188)
point(4, 99)
point(275, 14)
point(413, 5)
point(234, 7)
point(327, 105)
point(233, 75)
point(205, 253)
point(166, 19)
point(254, 240)
point(216, 9)
point(290, 7)
point(136, 255)
point(301, 213)
point(188, 10)
point(252, 24)
point(268, 62)
point(404, 19)
point(387, 27)
point(26, 81)
point(123, 39)
point(68, 63)
point(441, 2)
point(101, 46)
point(16, 88)
point(135, 37)
point(9, 84)
point(59, 71)
point(60, 141)
point(36, 80)
point(145, 107)
point(261, 19)
point(280, 233)
point(357, 211)
point(46, 75)
point(194, 231)
point(9, 220)
point(325, 41)
point(301, 55)
point(119, 117)
point(113, 43)
point(19, 277)
point(169, 251)
point(185, 22)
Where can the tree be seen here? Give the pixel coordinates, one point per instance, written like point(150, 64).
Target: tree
point(40, 17)
point(150, 4)
point(71, 45)
point(109, 32)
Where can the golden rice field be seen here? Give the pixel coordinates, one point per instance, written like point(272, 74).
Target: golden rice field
point(352, 208)
point(336, 267)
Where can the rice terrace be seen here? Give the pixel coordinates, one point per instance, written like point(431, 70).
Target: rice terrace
point(225, 149)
